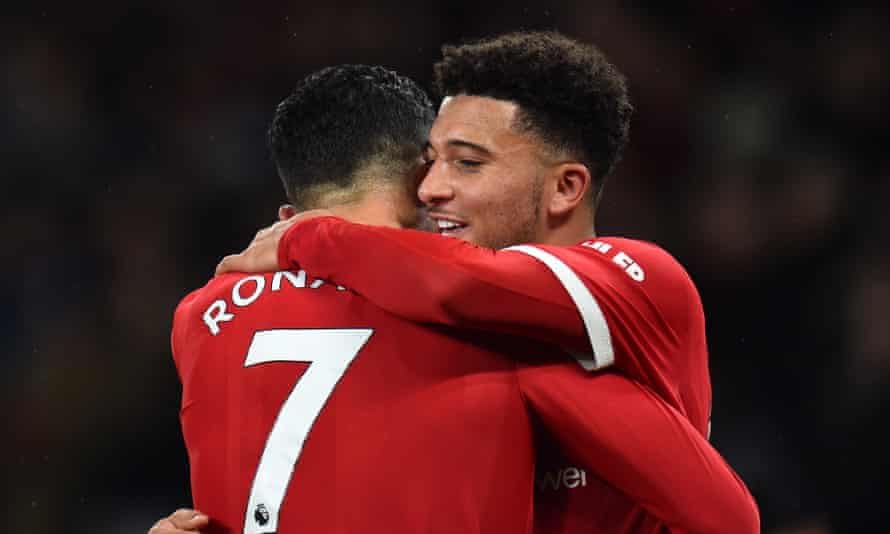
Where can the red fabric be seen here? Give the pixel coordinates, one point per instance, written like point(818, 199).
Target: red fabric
point(628, 439)
point(423, 433)
point(655, 321)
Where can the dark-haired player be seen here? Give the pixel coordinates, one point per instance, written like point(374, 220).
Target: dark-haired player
point(530, 126)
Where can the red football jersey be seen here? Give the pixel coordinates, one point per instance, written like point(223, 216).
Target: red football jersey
point(612, 302)
point(317, 427)
point(307, 409)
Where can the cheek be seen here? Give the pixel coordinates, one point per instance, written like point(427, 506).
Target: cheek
point(500, 221)
point(515, 198)
point(493, 206)
point(496, 203)
point(514, 216)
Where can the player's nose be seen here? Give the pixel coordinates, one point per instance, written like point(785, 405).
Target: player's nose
point(435, 187)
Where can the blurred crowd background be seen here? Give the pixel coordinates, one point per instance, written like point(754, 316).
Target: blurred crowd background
point(134, 157)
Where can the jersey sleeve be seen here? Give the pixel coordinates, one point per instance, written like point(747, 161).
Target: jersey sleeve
point(643, 447)
point(594, 299)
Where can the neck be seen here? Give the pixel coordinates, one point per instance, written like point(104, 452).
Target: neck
point(376, 208)
point(570, 230)
point(567, 235)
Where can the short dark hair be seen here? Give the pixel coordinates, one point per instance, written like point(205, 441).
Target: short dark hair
point(338, 120)
point(568, 93)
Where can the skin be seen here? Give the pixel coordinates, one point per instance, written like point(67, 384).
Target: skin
point(501, 185)
point(182, 521)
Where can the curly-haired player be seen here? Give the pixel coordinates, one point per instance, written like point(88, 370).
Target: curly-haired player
point(529, 127)
point(568, 94)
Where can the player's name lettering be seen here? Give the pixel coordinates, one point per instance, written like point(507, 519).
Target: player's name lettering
point(247, 290)
point(566, 477)
point(632, 268)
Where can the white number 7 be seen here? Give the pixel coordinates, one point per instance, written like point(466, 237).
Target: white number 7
point(329, 353)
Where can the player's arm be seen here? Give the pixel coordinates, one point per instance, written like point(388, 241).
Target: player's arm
point(429, 278)
point(643, 447)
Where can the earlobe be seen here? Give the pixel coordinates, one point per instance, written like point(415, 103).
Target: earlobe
point(572, 182)
point(286, 211)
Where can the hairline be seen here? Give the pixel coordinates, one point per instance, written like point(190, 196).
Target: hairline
point(377, 172)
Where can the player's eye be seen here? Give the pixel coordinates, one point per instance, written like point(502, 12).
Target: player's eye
point(468, 163)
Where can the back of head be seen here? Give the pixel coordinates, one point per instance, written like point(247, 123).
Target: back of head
point(345, 129)
point(568, 93)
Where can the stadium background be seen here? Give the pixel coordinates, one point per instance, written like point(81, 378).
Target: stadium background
point(134, 158)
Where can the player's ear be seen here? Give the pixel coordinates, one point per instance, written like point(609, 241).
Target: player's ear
point(571, 182)
point(286, 211)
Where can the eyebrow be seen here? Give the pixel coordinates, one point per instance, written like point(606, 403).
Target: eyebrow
point(460, 143)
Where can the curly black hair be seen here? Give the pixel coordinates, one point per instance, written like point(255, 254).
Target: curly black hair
point(568, 93)
point(340, 119)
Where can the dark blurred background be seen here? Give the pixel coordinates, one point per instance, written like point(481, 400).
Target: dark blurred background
point(134, 157)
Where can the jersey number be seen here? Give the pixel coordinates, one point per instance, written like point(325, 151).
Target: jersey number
point(329, 353)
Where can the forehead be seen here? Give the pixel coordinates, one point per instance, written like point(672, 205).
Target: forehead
point(477, 119)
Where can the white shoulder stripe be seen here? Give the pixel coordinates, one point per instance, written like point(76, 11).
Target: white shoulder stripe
point(594, 320)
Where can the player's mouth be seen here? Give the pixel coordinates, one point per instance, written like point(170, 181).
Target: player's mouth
point(449, 227)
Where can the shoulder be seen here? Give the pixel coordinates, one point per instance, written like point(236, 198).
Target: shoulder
point(663, 280)
point(216, 288)
point(652, 259)
point(657, 269)
point(641, 262)
point(188, 312)
point(632, 269)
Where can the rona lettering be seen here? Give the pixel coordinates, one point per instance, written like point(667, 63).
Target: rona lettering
point(247, 290)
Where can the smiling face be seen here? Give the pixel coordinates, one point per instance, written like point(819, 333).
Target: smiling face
point(487, 182)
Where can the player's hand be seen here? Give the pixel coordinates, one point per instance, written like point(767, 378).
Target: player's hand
point(262, 254)
point(182, 521)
